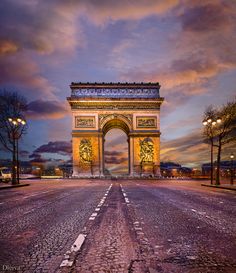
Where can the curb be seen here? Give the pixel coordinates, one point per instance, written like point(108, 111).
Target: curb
point(219, 187)
point(13, 186)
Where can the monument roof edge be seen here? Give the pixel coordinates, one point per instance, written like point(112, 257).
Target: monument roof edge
point(113, 84)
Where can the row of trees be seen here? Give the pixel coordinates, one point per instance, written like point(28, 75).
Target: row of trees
point(12, 126)
point(219, 130)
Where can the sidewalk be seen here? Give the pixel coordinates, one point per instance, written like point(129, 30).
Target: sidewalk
point(4, 186)
point(221, 186)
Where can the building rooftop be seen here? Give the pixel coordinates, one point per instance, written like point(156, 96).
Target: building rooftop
point(142, 90)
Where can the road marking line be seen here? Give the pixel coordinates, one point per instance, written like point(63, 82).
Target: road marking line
point(75, 247)
point(78, 243)
point(2, 203)
point(81, 238)
point(94, 214)
point(126, 200)
point(138, 228)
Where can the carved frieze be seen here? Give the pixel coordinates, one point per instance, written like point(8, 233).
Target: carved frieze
point(115, 106)
point(146, 122)
point(146, 150)
point(85, 151)
point(85, 122)
point(104, 117)
point(115, 92)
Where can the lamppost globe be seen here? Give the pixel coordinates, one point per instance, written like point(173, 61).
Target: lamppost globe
point(232, 156)
point(204, 123)
point(209, 120)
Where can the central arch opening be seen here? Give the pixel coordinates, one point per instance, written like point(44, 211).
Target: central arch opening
point(116, 152)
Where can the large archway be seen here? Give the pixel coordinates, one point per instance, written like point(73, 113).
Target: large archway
point(111, 122)
point(98, 108)
point(116, 153)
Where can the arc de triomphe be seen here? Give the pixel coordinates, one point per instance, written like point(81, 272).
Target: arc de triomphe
point(131, 107)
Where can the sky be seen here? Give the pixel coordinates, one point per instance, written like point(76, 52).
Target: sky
point(188, 46)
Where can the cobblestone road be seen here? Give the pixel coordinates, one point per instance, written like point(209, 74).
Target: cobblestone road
point(132, 226)
point(187, 228)
point(40, 221)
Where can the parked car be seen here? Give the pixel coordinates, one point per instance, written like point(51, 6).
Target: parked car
point(5, 174)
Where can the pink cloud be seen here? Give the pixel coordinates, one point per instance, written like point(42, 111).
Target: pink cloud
point(21, 71)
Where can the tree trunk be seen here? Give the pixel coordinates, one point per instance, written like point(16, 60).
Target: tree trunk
point(211, 161)
point(218, 163)
point(14, 181)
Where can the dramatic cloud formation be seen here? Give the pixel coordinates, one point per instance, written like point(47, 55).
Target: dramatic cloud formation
point(59, 147)
point(188, 46)
point(37, 158)
point(191, 150)
point(63, 150)
point(40, 109)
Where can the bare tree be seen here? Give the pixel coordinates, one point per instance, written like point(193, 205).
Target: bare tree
point(209, 133)
point(12, 126)
point(220, 130)
point(226, 132)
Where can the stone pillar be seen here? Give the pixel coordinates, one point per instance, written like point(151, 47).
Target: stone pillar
point(131, 156)
point(82, 167)
point(101, 155)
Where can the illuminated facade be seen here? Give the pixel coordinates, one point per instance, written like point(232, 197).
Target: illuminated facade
point(100, 107)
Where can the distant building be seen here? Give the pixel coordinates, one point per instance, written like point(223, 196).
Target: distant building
point(172, 169)
point(67, 169)
point(225, 168)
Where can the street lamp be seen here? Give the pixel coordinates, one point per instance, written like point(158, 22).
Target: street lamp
point(18, 123)
point(211, 122)
point(232, 169)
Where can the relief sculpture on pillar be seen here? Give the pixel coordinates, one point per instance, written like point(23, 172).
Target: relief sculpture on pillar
point(85, 151)
point(146, 150)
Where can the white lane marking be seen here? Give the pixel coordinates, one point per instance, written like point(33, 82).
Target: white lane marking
point(1, 203)
point(94, 214)
point(75, 247)
point(138, 228)
point(81, 238)
point(78, 243)
point(125, 195)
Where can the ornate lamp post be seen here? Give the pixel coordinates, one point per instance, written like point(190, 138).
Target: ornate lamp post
point(232, 169)
point(18, 125)
point(210, 122)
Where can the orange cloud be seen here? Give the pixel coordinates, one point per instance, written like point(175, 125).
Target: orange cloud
point(7, 47)
point(190, 150)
